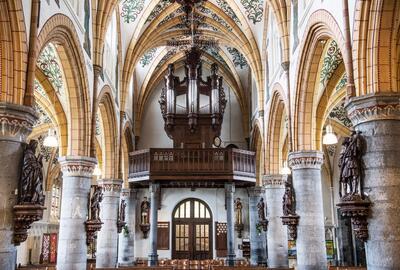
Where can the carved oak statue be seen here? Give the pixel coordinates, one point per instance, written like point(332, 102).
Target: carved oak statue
point(238, 208)
point(97, 197)
point(122, 210)
point(145, 209)
point(350, 163)
point(31, 183)
point(261, 210)
point(289, 206)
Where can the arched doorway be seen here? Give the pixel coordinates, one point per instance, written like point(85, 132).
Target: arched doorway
point(192, 230)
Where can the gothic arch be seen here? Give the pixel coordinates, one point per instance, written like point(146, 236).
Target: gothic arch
point(13, 52)
point(257, 146)
point(60, 30)
point(321, 27)
point(107, 113)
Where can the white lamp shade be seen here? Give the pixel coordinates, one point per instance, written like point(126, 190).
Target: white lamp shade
point(51, 140)
point(286, 170)
point(329, 137)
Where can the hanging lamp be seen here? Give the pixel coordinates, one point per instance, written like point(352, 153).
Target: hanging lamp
point(51, 139)
point(285, 169)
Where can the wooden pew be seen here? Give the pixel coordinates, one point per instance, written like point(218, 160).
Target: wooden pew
point(346, 268)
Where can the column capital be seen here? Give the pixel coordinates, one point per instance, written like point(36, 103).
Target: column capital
point(373, 107)
point(127, 192)
point(229, 187)
point(16, 121)
point(111, 185)
point(307, 159)
point(77, 165)
point(256, 191)
point(274, 181)
point(154, 187)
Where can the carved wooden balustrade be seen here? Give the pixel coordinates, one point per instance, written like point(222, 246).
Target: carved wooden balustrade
point(192, 164)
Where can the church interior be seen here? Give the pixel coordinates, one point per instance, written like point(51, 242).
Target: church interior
point(200, 134)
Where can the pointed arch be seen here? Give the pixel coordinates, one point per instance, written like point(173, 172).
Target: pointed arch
point(321, 27)
point(256, 145)
point(108, 115)
point(60, 30)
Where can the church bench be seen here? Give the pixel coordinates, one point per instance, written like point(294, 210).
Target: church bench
point(346, 268)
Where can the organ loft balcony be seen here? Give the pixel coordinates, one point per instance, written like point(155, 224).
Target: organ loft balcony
point(193, 110)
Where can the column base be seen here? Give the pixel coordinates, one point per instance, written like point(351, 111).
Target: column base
point(230, 259)
point(153, 260)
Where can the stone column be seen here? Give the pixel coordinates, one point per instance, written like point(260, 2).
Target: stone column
point(277, 232)
point(378, 118)
point(77, 174)
point(258, 242)
point(16, 124)
point(310, 244)
point(126, 256)
point(107, 237)
point(230, 223)
point(154, 203)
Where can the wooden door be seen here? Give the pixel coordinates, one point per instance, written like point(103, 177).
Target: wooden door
point(192, 231)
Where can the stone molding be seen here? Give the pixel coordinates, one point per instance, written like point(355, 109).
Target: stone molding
point(373, 108)
point(274, 181)
point(110, 185)
point(16, 121)
point(256, 191)
point(306, 160)
point(77, 166)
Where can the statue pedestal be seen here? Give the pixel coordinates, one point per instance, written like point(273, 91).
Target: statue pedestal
point(291, 222)
point(92, 226)
point(356, 208)
point(264, 225)
point(145, 228)
point(239, 228)
point(24, 216)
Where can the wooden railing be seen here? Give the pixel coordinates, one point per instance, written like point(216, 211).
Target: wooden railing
point(166, 162)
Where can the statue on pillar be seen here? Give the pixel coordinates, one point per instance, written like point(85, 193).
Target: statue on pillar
point(289, 201)
point(31, 189)
point(350, 164)
point(122, 208)
point(261, 209)
point(238, 209)
point(145, 211)
point(95, 201)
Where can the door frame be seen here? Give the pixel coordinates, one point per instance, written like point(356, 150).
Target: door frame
point(192, 221)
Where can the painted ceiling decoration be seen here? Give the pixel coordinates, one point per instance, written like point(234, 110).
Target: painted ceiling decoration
point(254, 9)
point(131, 10)
point(148, 57)
point(342, 82)
point(43, 117)
point(167, 56)
point(163, 4)
point(228, 10)
point(238, 59)
point(339, 114)
point(39, 88)
point(98, 125)
point(333, 58)
point(49, 64)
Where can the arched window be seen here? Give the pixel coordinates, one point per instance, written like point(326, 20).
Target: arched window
point(111, 51)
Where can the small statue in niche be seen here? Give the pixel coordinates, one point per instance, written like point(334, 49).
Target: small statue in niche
point(31, 183)
point(350, 164)
point(238, 208)
point(97, 197)
point(289, 201)
point(261, 209)
point(122, 210)
point(145, 209)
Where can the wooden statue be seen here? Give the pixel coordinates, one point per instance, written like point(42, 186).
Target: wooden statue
point(31, 182)
point(350, 164)
point(289, 201)
point(261, 209)
point(145, 211)
point(122, 210)
point(238, 208)
point(95, 201)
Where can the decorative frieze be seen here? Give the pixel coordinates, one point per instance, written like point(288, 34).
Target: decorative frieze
point(111, 185)
point(16, 121)
point(274, 181)
point(373, 107)
point(77, 166)
point(306, 160)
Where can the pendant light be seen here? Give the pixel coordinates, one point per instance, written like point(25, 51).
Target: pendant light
point(51, 139)
point(285, 169)
point(329, 137)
